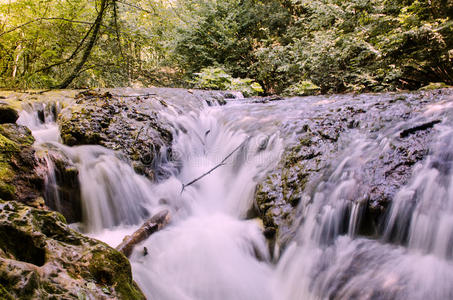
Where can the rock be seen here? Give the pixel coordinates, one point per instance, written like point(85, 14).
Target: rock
point(131, 127)
point(434, 86)
point(42, 258)
point(8, 114)
point(19, 179)
point(424, 126)
point(281, 196)
point(62, 183)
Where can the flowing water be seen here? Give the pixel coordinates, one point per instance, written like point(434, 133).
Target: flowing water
point(213, 249)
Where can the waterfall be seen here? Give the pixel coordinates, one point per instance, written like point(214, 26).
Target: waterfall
point(214, 249)
point(208, 221)
point(422, 214)
point(412, 260)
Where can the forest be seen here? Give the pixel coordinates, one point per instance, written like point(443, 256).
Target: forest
point(288, 47)
point(226, 149)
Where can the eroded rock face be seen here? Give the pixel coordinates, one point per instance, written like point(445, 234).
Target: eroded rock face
point(131, 124)
point(62, 186)
point(397, 121)
point(18, 177)
point(128, 126)
point(42, 258)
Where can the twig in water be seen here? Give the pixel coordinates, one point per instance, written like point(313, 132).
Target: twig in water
point(222, 163)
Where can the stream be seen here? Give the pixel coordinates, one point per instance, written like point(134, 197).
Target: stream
point(214, 247)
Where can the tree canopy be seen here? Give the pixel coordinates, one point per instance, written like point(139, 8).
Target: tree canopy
point(286, 46)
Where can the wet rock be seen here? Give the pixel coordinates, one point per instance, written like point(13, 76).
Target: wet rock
point(8, 114)
point(62, 186)
point(42, 258)
point(19, 179)
point(129, 126)
point(322, 137)
point(266, 99)
point(129, 121)
point(424, 126)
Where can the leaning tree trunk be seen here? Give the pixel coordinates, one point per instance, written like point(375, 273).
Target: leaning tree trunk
point(91, 43)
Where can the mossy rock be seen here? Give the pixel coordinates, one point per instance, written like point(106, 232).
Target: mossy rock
point(435, 86)
point(19, 179)
point(21, 135)
point(134, 129)
point(42, 258)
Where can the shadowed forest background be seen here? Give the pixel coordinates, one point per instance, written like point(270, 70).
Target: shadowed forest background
point(292, 47)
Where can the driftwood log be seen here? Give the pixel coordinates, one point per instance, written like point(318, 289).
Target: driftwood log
point(153, 224)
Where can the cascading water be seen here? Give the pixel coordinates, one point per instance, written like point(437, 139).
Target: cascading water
point(422, 214)
point(213, 250)
point(328, 261)
point(210, 251)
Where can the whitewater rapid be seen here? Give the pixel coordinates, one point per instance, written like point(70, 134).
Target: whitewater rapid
point(214, 249)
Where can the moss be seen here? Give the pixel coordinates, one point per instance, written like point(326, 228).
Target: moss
point(4, 295)
point(434, 86)
point(305, 142)
point(21, 135)
point(52, 224)
point(38, 237)
point(6, 172)
point(113, 269)
point(7, 145)
point(68, 139)
point(7, 191)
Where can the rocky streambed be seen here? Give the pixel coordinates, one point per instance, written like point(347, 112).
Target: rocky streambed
point(322, 137)
point(41, 257)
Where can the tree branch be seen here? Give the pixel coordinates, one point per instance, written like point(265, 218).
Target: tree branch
point(76, 50)
point(222, 163)
point(137, 7)
point(117, 30)
point(45, 19)
point(155, 223)
point(91, 43)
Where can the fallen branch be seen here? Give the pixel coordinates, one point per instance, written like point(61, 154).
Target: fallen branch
point(155, 223)
point(222, 163)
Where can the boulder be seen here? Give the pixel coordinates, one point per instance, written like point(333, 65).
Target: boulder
point(130, 127)
point(62, 186)
point(19, 179)
point(42, 258)
point(322, 135)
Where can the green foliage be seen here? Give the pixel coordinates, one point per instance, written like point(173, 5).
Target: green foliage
point(302, 88)
point(218, 79)
point(213, 78)
point(42, 41)
point(434, 85)
point(353, 45)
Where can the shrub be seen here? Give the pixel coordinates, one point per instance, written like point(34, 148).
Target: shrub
point(218, 79)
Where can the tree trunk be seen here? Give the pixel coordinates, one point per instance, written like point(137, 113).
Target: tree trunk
point(91, 43)
point(16, 61)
